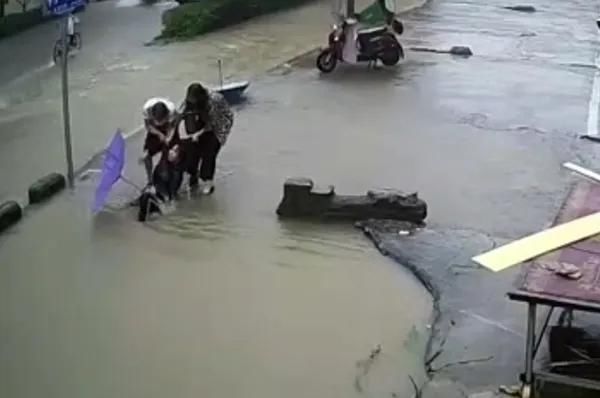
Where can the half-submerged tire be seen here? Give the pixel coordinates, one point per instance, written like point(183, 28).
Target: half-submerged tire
point(10, 214)
point(46, 187)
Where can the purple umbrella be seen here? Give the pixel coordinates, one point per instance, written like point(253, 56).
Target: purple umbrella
point(112, 167)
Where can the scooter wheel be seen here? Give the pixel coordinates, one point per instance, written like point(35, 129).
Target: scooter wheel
point(326, 61)
point(391, 57)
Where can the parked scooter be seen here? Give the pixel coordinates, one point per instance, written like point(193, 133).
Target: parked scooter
point(352, 44)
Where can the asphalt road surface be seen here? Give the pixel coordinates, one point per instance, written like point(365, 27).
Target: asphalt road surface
point(221, 299)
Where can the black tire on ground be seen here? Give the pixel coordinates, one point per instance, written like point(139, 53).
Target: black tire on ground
point(326, 61)
point(391, 56)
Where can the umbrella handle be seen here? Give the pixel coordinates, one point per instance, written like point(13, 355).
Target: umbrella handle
point(220, 65)
point(129, 182)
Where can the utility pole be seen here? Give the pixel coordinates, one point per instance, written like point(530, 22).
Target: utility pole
point(65, 102)
point(63, 8)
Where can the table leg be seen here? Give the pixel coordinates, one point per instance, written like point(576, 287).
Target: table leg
point(529, 350)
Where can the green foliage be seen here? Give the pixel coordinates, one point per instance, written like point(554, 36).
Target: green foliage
point(14, 23)
point(196, 18)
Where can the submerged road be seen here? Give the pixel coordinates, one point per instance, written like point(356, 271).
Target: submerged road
point(221, 299)
point(114, 74)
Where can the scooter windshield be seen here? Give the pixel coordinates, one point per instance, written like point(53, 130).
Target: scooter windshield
point(378, 13)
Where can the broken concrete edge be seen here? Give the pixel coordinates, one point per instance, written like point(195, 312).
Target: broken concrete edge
point(438, 333)
point(10, 213)
point(46, 187)
point(302, 199)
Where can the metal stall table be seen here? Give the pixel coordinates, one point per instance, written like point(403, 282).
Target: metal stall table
point(541, 285)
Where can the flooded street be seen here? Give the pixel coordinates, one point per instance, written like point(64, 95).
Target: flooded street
point(115, 73)
point(220, 298)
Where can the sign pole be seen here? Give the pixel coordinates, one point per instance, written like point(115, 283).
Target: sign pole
point(350, 9)
point(65, 102)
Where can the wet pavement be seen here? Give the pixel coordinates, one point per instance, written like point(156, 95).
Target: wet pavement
point(219, 298)
point(115, 72)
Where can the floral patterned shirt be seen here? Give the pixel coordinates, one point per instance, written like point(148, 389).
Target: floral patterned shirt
point(220, 116)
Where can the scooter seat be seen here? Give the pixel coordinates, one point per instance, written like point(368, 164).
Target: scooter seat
point(372, 31)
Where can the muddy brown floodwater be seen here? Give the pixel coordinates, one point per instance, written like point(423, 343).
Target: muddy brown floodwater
point(209, 301)
point(218, 299)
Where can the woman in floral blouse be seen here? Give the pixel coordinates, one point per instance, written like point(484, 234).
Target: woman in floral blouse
point(207, 121)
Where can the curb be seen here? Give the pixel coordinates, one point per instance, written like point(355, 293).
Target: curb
point(10, 214)
point(46, 187)
point(43, 189)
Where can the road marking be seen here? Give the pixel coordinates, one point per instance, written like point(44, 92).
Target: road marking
point(490, 322)
point(133, 132)
point(592, 122)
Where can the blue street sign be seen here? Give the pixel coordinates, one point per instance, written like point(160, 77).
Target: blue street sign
point(62, 7)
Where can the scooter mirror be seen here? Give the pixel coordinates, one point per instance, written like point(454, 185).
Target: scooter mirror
point(397, 26)
point(390, 5)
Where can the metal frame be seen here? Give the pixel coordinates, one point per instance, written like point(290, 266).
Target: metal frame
point(532, 344)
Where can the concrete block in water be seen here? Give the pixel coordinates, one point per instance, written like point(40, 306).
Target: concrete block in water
point(463, 51)
point(46, 187)
point(300, 199)
point(10, 214)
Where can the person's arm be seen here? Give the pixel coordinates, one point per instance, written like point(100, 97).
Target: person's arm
point(183, 133)
point(153, 130)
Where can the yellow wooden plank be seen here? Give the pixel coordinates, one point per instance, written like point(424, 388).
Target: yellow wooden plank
point(542, 242)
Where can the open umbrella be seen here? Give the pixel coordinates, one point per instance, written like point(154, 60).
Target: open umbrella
point(233, 91)
point(112, 168)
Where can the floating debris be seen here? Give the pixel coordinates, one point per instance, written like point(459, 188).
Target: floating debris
point(521, 8)
point(462, 51)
